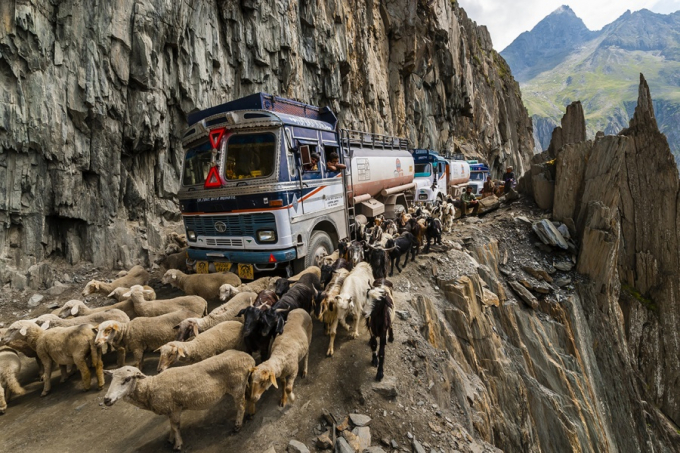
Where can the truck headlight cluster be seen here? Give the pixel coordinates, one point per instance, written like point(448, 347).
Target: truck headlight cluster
point(266, 236)
point(191, 235)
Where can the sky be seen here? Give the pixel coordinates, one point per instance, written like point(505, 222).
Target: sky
point(506, 20)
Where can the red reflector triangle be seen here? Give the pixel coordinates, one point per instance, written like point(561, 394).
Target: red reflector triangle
point(215, 137)
point(213, 180)
point(272, 259)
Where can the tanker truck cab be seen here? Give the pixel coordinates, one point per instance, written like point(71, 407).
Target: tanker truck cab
point(431, 174)
point(478, 174)
point(250, 194)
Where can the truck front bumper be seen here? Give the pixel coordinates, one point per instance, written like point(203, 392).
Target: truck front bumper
point(242, 256)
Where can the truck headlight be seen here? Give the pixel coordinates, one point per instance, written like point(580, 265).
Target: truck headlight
point(266, 236)
point(191, 235)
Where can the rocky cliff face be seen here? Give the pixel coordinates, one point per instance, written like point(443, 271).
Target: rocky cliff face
point(620, 197)
point(93, 101)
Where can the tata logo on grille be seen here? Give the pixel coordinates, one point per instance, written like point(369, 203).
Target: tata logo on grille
point(221, 227)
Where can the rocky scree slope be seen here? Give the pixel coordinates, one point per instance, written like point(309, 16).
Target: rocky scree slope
point(620, 196)
point(94, 98)
point(561, 61)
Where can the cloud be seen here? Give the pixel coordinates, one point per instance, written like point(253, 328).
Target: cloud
point(506, 20)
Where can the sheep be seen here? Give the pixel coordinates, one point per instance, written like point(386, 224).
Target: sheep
point(160, 307)
point(225, 312)
point(205, 285)
point(10, 366)
point(351, 298)
point(63, 345)
point(223, 337)
point(179, 239)
point(379, 314)
point(288, 350)
point(49, 320)
point(228, 291)
point(191, 387)
point(140, 334)
point(328, 309)
point(22, 347)
point(177, 260)
point(119, 293)
point(78, 308)
point(135, 276)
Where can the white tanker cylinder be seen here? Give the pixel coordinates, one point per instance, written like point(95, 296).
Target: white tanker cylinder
point(459, 172)
point(376, 170)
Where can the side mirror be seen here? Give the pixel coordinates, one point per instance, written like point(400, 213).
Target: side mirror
point(305, 155)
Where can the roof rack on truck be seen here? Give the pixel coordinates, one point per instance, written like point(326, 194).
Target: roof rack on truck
point(359, 139)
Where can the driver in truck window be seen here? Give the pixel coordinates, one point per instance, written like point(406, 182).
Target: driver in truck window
point(314, 166)
point(333, 162)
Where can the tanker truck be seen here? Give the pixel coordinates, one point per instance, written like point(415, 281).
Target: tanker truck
point(436, 177)
point(262, 184)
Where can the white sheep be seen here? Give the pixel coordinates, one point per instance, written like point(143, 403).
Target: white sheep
point(225, 312)
point(10, 366)
point(119, 293)
point(205, 285)
point(149, 308)
point(288, 350)
point(63, 346)
point(135, 276)
point(223, 337)
point(191, 387)
point(78, 308)
point(228, 291)
point(140, 334)
point(352, 297)
point(50, 320)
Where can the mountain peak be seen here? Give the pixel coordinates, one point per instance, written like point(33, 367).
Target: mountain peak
point(564, 9)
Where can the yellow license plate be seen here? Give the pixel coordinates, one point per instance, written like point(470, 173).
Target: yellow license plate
point(246, 271)
point(202, 267)
point(222, 267)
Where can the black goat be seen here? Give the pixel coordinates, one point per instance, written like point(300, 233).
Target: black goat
point(402, 245)
point(433, 232)
point(301, 295)
point(253, 324)
point(328, 269)
point(379, 314)
point(355, 252)
point(377, 258)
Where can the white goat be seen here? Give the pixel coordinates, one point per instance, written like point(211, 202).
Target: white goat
point(351, 299)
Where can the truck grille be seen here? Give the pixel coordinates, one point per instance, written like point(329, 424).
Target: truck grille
point(236, 225)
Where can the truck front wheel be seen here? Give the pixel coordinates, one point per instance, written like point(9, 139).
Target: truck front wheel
point(320, 244)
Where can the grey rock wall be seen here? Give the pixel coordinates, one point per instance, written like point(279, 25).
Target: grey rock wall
point(94, 96)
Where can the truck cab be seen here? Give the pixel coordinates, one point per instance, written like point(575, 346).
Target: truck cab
point(478, 174)
point(431, 175)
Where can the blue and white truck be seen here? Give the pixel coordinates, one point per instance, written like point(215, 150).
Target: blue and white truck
point(478, 174)
point(436, 177)
point(259, 192)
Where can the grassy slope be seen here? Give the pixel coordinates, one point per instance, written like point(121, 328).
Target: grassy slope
point(605, 80)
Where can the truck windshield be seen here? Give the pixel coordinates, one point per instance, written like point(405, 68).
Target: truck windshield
point(477, 176)
point(250, 155)
point(423, 170)
point(197, 164)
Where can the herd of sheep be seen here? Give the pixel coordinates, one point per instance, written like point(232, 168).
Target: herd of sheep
point(269, 318)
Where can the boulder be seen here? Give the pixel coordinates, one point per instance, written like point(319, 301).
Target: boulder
point(35, 300)
point(360, 419)
point(295, 446)
point(524, 295)
point(548, 233)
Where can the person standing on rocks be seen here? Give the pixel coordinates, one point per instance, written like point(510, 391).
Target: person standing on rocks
point(469, 200)
point(509, 179)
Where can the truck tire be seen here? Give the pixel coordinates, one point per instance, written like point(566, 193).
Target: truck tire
point(318, 243)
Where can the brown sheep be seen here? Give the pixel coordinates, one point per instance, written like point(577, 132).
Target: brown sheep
point(135, 276)
point(205, 285)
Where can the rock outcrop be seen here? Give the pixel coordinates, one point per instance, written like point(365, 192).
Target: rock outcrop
point(620, 197)
point(93, 101)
